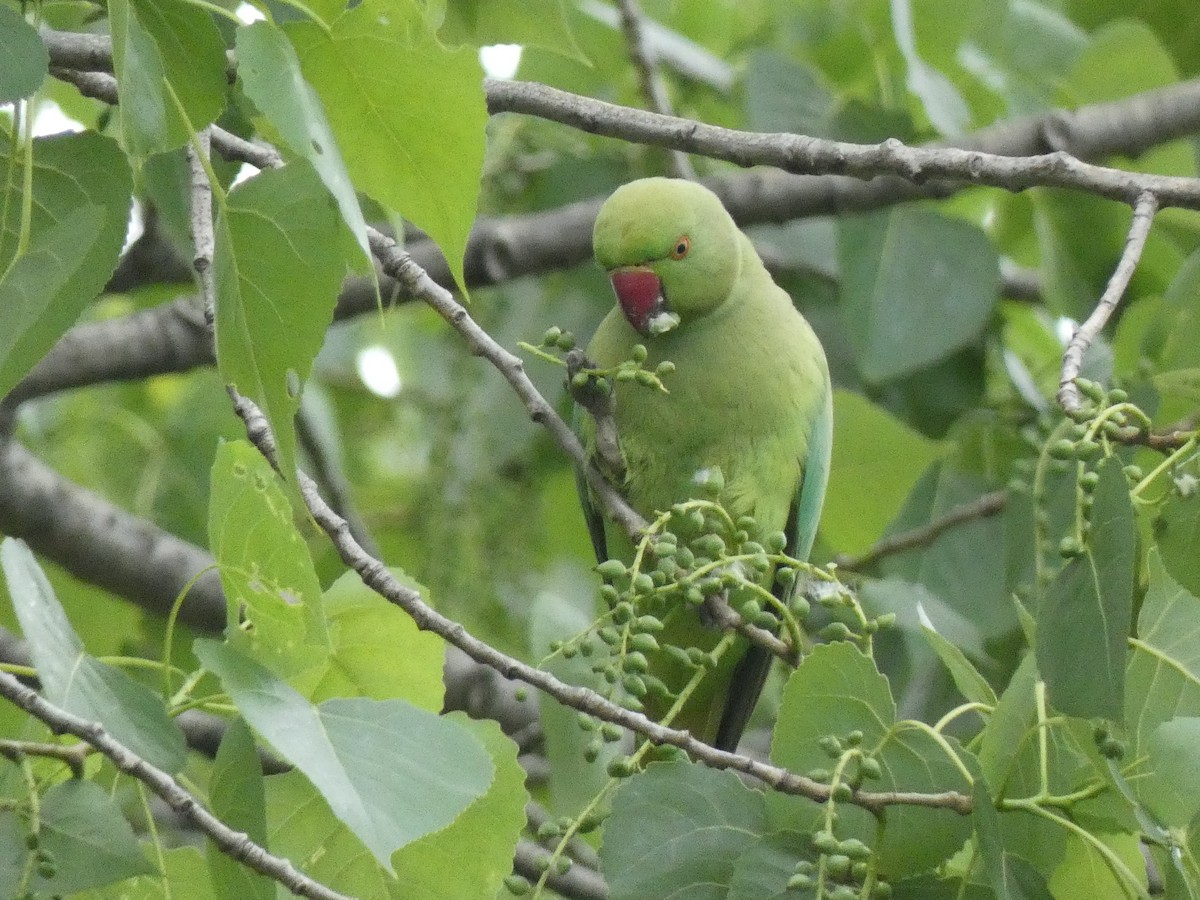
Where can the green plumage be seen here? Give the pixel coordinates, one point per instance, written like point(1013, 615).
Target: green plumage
point(750, 394)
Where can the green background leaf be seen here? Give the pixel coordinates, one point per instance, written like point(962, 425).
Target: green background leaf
point(904, 269)
point(853, 519)
point(25, 58)
point(678, 829)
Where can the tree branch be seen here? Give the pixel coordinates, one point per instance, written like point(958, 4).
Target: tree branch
point(1069, 397)
point(653, 88)
point(233, 844)
point(979, 508)
point(947, 167)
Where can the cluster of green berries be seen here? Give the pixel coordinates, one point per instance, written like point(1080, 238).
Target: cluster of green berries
point(856, 764)
point(1109, 745)
point(555, 339)
point(43, 860)
point(839, 600)
point(1096, 399)
point(845, 865)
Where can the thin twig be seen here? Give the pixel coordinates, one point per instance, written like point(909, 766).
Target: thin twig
point(73, 755)
point(329, 475)
point(236, 845)
point(653, 88)
point(730, 619)
point(201, 220)
point(979, 508)
point(1069, 397)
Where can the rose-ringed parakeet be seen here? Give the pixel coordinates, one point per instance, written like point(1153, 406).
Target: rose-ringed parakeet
point(750, 396)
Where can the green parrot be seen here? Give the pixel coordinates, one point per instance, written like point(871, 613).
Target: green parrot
point(750, 395)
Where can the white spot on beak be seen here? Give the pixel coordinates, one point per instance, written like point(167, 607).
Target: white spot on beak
point(662, 322)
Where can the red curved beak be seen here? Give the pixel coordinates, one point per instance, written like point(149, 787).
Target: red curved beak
point(639, 291)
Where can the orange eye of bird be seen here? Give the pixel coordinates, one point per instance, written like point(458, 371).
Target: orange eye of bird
point(681, 248)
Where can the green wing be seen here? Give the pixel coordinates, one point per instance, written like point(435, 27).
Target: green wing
point(591, 515)
point(806, 508)
point(751, 672)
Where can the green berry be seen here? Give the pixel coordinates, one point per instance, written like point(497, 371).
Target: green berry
point(643, 643)
point(854, 848)
point(1061, 449)
point(621, 767)
point(638, 354)
point(550, 338)
point(831, 746)
point(666, 367)
point(611, 568)
point(825, 842)
point(517, 885)
point(837, 865)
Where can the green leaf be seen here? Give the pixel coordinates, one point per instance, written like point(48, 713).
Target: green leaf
point(377, 649)
point(236, 797)
point(1085, 874)
point(836, 689)
point(763, 870)
point(785, 95)
point(916, 286)
point(1171, 788)
point(270, 75)
point(531, 23)
point(678, 830)
point(1122, 58)
point(25, 58)
point(1010, 725)
point(469, 858)
point(91, 842)
point(79, 683)
point(853, 519)
point(967, 679)
point(79, 213)
point(1163, 680)
point(1177, 531)
point(392, 772)
point(167, 54)
point(435, 867)
point(184, 877)
point(1084, 618)
point(1010, 876)
point(919, 838)
point(408, 114)
point(278, 268)
point(273, 598)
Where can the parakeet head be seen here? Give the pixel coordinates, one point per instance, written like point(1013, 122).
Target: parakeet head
point(670, 249)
